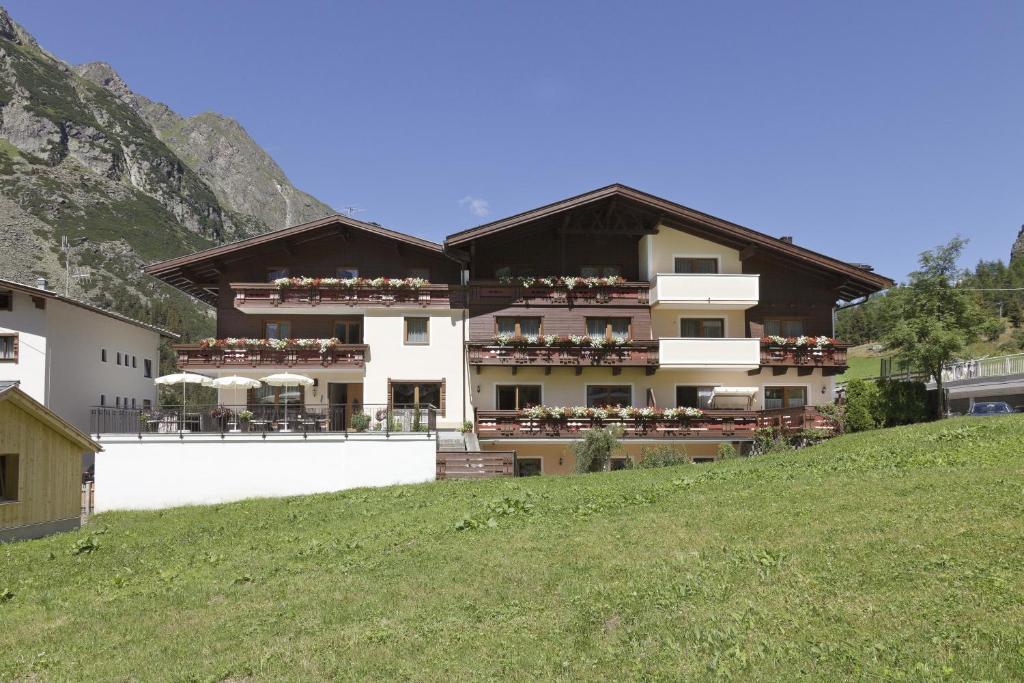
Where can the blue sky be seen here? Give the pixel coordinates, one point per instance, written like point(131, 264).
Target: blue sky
point(869, 131)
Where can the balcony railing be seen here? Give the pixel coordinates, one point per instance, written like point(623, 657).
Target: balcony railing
point(192, 356)
point(487, 293)
point(700, 352)
point(263, 295)
point(699, 291)
point(632, 354)
point(740, 425)
point(804, 356)
point(714, 425)
point(266, 419)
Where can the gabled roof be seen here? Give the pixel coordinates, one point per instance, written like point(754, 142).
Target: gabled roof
point(181, 272)
point(677, 214)
point(54, 296)
point(14, 395)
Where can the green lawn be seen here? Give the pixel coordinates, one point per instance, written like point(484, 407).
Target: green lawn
point(893, 555)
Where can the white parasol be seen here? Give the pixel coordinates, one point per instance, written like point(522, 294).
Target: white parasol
point(287, 379)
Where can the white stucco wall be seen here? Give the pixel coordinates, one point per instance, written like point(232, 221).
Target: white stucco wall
point(162, 472)
point(78, 376)
point(658, 252)
point(391, 358)
point(30, 324)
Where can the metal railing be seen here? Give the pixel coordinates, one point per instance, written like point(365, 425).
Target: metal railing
point(348, 418)
point(997, 366)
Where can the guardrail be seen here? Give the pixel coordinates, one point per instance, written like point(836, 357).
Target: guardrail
point(484, 293)
point(997, 366)
point(714, 424)
point(263, 294)
point(633, 353)
point(266, 419)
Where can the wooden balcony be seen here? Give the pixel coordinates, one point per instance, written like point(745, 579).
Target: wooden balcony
point(795, 419)
point(197, 357)
point(831, 359)
point(713, 425)
point(634, 354)
point(494, 293)
point(257, 297)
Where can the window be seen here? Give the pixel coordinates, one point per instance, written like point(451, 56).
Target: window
point(347, 272)
point(518, 396)
point(134, 365)
point(147, 368)
point(277, 329)
point(103, 355)
point(349, 330)
point(608, 327)
point(9, 347)
point(417, 393)
point(103, 399)
point(146, 404)
point(609, 395)
point(693, 397)
point(8, 477)
point(118, 357)
point(417, 331)
point(687, 264)
point(133, 404)
point(782, 327)
point(702, 327)
point(6, 301)
point(524, 327)
point(528, 467)
point(600, 271)
point(276, 272)
point(117, 400)
point(784, 397)
point(419, 272)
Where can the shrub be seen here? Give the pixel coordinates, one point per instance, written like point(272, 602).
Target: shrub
point(902, 403)
point(594, 452)
point(466, 427)
point(862, 406)
point(726, 451)
point(993, 328)
point(360, 422)
point(662, 456)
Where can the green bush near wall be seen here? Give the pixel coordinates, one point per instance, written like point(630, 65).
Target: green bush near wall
point(884, 403)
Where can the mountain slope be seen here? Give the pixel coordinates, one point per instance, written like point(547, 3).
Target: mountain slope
point(887, 555)
point(82, 156)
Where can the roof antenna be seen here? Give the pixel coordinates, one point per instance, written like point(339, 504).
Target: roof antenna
point(351, 211)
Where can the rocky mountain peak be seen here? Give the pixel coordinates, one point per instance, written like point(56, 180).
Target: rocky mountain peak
point(104, 75)
point(1017, 251)
point(12, 31)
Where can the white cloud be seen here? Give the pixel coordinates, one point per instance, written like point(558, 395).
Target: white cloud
point(477, 206)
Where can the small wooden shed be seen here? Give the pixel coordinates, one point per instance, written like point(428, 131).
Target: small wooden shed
point(40, 468)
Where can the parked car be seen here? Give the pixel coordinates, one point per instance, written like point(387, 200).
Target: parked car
point(993, 408)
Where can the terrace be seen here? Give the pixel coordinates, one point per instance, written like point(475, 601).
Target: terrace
point(711, 425)
point(260, 355)
point(830, 356)
point(326, 295)
point(557, 291)
point(632, 353)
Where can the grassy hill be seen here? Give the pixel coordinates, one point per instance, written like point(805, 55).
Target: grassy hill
point(888, 555)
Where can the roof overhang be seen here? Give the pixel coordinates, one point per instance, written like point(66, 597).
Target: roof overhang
point(855, 281)
point(14, 395)
point(198, 274)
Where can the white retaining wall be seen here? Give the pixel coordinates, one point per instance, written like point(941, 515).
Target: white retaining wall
point(165, 471)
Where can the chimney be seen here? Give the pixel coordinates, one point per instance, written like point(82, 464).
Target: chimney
point(42, 283)
point(788, 239)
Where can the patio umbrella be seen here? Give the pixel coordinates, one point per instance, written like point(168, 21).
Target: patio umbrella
point(236, 381)
point(184, 379)
point(287, 379)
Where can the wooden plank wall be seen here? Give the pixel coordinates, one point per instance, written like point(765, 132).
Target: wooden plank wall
point(49, 470)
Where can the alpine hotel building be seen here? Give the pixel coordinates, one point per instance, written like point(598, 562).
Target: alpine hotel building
point(611, 307)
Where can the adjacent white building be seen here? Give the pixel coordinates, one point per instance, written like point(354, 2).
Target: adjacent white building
point(71, 356)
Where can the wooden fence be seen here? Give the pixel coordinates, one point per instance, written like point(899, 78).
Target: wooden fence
point(475, 464)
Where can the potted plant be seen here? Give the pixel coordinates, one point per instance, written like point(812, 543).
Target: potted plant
point(243, 418)
point(360, 421)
